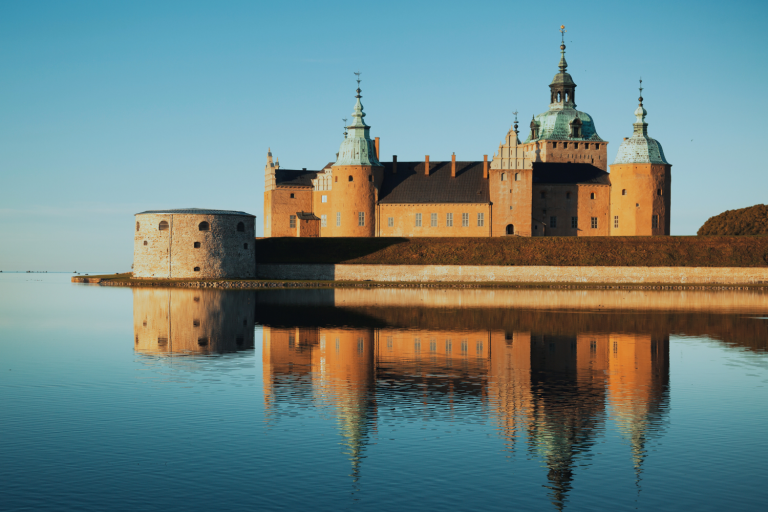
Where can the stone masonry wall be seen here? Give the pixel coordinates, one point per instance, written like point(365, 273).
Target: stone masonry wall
point(549, 274)
point(223, 252)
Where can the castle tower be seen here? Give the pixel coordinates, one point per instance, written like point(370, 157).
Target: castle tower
point(640, 183)
point(563, 134)
point(357, 174)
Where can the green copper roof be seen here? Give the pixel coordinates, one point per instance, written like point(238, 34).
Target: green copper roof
point(640, 148)
point(555, 123)
point(357, 147)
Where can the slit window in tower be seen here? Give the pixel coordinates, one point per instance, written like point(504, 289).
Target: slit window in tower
point(658, 191)
point(517, 176)
point(592, 195)
point(350, 178)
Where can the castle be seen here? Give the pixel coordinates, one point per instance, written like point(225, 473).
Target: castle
point(554, 183)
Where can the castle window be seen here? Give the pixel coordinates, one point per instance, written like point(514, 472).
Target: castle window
point(558, 97)
point(567, 195)
point(197, 245)
point(337, 179)
point(293, 221)
point(553, 222)
point(195, 323)
point(449, 220)
point(293, 196)
point(418, 220)
point(245, 246)
point(197, 269)
point(594, 222)
point(202, 342)
point(241, 227)
point(324, 199)
point(145, 242)
point(323, 221)
point(390, 222)
point(370, 177)
point(658, 191)
point(163, 225)
point(517, 176)
point(615, 221)
point(592, 195)
point(655, 221)
point(535, 227)
point(465, 220)
point(597, 146)
point(338, 218)
point(565, 146)
point(510, 229)
point(433, 220)
point(503, 178)
point(480, 219)
point(554, 145)
point(576, 145)
point(204, 226)
point(137, 225)
point(350, 178)
point(361, 219)
point(623, 191)
point(574, 222)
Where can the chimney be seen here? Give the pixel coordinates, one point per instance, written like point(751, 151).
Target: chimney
point(485, 166)
point(394, 164)
point(426, 165)
point(377, 148)
point(453, 165)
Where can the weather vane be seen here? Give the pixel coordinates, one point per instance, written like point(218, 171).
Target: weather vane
point(641, 91)
point(358, 73)
point(515, 112)
point(562, 33)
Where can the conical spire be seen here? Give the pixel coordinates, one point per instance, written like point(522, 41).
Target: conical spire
point(563, 64)
point(562, 88)
point(640, 126)
point(357, 147)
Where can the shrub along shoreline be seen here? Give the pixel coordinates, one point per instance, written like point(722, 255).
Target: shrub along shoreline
point(674, 251)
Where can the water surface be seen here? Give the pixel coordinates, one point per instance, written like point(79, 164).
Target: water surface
point(353, 399)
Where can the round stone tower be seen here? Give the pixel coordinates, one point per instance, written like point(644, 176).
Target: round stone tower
point(194, 243)
point(641, 183)
point(357, 174)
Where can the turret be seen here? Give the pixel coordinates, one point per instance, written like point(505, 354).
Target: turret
point(270, 181)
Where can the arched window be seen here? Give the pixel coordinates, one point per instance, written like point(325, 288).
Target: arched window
point(503, 177)
point(241, 227)
point(558, 97)
point(566, 95)
point(592, 195)
point(517, 176)
point(337, 179)
point(137, 225)
point(145, 242)
point(204, 226)
point(350, 178)
point(510, 229)
point(623, 191)
point(658, 191)
point(163, 225)
point(293, 196)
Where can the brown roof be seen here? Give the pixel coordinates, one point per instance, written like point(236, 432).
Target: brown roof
point(410, 185)
point(564, 173)
point(307, 216)
point(293, 178)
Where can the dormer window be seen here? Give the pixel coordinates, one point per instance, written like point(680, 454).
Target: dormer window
point(576, 128)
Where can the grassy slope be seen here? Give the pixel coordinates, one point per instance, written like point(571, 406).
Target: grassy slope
point(717, 251)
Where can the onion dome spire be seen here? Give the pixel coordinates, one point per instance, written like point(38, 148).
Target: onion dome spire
point(357, 147)
point(640, 148)
point(640, 125)
point(562, 89)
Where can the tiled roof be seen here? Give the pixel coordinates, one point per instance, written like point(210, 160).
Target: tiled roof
point(564, 173)
point(292, 178)
point(307, 216)
point(197, 211)
point(410, 185)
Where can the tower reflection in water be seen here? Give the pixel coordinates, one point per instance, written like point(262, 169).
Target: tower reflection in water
point(182, 322)
point(551, 385)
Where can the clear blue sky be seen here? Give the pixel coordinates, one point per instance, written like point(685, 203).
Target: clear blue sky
point(111, 108)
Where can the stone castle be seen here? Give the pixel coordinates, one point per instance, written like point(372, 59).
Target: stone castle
point(554, 183)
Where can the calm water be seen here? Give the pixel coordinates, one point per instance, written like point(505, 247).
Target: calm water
point(154, 399)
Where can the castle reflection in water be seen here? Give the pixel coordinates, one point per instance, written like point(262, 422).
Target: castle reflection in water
point(550, 368)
